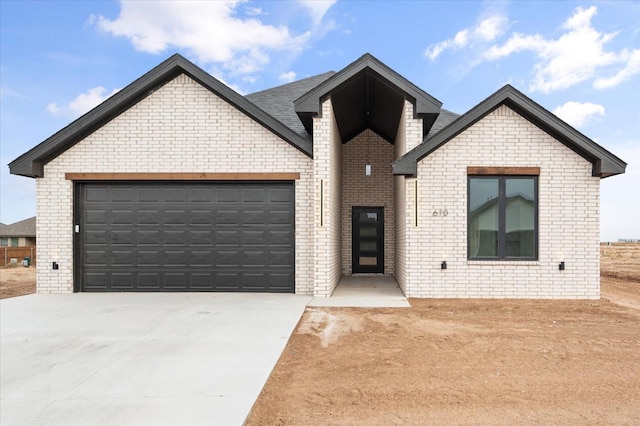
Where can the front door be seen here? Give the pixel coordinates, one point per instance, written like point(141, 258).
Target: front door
point(368, 240)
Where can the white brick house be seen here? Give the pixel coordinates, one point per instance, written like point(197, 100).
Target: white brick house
point(178, 183)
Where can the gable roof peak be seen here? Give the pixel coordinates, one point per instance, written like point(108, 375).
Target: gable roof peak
point(604, 162)
point(31, 163)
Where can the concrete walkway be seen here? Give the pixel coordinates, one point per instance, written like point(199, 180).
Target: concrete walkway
point(139, 358)
point(365, 292)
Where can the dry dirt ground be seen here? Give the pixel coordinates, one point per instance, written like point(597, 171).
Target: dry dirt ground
point(17, 281)
point(467, 361)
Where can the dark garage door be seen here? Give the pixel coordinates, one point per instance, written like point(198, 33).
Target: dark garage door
point(186, 236)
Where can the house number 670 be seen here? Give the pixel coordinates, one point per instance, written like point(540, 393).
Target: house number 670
point(441, 212)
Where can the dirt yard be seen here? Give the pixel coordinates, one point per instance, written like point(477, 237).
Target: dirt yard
point(17, 281)
point(467, 361)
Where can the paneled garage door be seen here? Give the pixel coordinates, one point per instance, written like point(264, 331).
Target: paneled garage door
point(196, 236)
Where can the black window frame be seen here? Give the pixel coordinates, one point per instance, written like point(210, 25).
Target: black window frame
point(502, 240)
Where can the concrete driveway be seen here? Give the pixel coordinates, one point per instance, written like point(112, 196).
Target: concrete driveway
point(139, 359)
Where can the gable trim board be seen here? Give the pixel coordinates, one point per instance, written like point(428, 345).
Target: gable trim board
point(178, 127)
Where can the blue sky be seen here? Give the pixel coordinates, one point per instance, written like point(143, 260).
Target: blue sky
point(581, 60)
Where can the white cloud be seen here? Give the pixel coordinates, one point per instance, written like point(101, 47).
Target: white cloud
point(82, 103)
point(287, 77)
point(578, 113)
point(485, 31)
point(254, 11)
point(572, 58)
point(579, 54)
point(210, 31)
point(317, 8)
point(631, 68)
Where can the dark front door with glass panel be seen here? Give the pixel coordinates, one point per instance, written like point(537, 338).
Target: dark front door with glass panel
point(368, 240)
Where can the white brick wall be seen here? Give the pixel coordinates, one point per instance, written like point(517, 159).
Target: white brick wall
point(327, 154)
point(181, 127)
point(409, 136)
point(568, 217)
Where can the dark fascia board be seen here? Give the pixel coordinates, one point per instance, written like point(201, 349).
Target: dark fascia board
point(31, 163)
point(311, 102)
point(604, 163)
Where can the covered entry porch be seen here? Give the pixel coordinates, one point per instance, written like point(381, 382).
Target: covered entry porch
point(362, 120)
point(363, 291)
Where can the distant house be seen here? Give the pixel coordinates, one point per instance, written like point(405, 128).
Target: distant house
point(178, 183)
point(19, 234)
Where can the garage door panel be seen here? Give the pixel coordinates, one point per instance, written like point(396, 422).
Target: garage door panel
point(227, 218)
point(122, 258)
point(149, 258)
point(200, 238)
point(148, 280)
point(124, 238)
point(201, 259)
point(175, 281)
point(149, 217)
point(174, 195)
point(96, 237)
point(201, 195)
point(226, 238)
point(149, 195)
point(201, 217)
point(202, 281)
point(122, 281)
point(96, 217)
point(254, 217)
point(175, 238)
point(280, 217)
point(281, 238)
point(122, 217)
point(227, 259)
point(281, 196)
point(280, 281)
point(193, 236)
point(254, 238)
point(148, 238)
point(175, 258)
point(95, 281)
point(96, 193)
point(175, 217)
point(254, 259)
point(123, 195)
point(96, 258)
point(227, 281)
point(227, 195)
point(280, 259)
point(254, 195)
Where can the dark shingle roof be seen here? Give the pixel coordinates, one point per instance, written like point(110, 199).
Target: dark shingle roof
point(278, 101)
point(444, 119)
point(23, 228)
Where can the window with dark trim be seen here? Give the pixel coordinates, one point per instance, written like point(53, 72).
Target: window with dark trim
point(502, 217)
